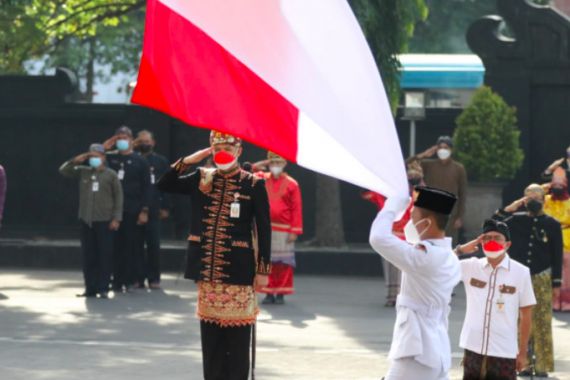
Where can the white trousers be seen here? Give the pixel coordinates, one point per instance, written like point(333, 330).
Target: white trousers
point(409, 369)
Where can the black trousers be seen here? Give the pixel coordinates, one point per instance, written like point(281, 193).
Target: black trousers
point(148, 266)
point(225, 351)
point(97, 251)
point(126, 252)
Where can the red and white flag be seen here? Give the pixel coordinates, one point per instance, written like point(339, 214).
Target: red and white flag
point(292, 76)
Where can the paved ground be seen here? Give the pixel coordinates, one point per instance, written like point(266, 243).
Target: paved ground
point(335, 328)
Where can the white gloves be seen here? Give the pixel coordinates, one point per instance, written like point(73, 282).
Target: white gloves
point(397, 204)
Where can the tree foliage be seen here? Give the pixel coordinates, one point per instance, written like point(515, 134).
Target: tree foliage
point(116, 49)
point(389, 26)
point(443, 32)
point(72, 33)
point(486, 138)
point(35, 28)
point(445, 28)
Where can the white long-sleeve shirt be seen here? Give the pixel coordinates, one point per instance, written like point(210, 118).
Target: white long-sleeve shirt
point(430, 271)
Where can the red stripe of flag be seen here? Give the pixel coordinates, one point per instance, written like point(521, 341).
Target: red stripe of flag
point(190, 76)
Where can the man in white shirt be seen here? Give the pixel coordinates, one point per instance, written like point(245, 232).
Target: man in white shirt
point(499, 296)
point(430, 270)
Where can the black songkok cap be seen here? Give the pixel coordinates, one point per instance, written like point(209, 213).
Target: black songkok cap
point(247, 166)
point(491, 225)
point(124, 130)
point(435, 200)
point(445, 140)
point(99, 148)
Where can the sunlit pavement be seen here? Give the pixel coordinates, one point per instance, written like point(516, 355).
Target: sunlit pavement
point(334, 328)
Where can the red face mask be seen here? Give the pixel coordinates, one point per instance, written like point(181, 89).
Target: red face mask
point(493, 250)
point(223, 158)
point(493, 246)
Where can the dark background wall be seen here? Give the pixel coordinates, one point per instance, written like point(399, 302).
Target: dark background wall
point(531, 70)
point(39, 131)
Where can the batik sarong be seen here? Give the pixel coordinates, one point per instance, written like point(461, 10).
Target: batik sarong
point(562, 303)
point(226, 305)
point(479, 367)
point(541, 331)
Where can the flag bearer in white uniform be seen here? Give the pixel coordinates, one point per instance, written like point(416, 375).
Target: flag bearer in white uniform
point(499, 307)
point(430, 270)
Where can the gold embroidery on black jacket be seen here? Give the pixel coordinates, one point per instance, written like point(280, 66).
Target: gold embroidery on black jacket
point(221, 248)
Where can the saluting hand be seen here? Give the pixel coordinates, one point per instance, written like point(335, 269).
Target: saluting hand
point(515, 205)
point(470, 247)
point(110, 142)
point(136, 142)
point(555, 165)
point(261, 165)
point(197, 157)
point(82, 157)
point(428, 152)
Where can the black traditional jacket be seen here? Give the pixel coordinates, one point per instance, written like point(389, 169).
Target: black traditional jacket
point(224, 248)
point(158, 165)
point(135, 181)
point(536, 242)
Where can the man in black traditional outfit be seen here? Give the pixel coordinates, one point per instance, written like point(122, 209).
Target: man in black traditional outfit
point(228, 254)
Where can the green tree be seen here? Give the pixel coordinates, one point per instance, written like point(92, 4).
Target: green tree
point(73, 33)
point(388, 26)
point(486, 138)
point(19, 36)
point(116, 48)
point(443, 32)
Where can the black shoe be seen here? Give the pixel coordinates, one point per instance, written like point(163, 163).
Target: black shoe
point(268, 300)
point(541, 374)
point(87, 295)
point(117, 288)
point(280, 299)
point(525, 373)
